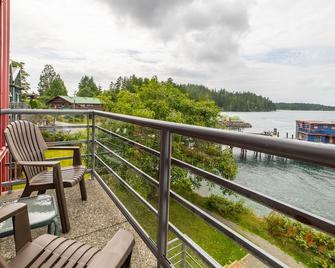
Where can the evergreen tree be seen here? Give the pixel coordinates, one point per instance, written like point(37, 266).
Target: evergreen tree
point(57, 87)
point(47, 76)
point(87, 87)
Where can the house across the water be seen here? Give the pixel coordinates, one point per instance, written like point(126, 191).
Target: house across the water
point(67, 102)
point(316, 131)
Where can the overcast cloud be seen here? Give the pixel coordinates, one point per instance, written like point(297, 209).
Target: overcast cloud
point(282, 49)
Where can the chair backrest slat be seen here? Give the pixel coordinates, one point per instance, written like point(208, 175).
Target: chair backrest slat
point(26, 143)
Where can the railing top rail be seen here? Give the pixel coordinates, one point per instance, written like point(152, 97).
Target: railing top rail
point(45, 111)
point(321, 154)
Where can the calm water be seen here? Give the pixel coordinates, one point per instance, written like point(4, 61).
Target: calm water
point(304, 185)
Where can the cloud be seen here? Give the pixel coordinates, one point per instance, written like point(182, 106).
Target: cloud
point(149, 13)
point(308, 56)
point(275, 48)
point(184, 73)
point(200, 31)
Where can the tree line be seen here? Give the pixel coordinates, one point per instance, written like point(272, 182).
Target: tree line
point(231, 101)
point(303, 106)
point(51, 85)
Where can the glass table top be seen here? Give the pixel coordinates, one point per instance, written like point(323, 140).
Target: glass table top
point(42, 210)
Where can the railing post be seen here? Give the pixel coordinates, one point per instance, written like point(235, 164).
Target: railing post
point(183, 255)
point(93, 142)
point(164, 194)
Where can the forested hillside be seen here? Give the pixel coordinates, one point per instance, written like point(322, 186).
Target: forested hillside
point(231, 101)
point(303, 107)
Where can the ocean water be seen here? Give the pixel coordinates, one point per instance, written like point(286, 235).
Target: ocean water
point(307, 186)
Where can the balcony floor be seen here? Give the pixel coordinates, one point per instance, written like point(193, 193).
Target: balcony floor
point(94, 222)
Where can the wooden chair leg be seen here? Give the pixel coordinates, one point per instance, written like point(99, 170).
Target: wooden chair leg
point(63, 214)
point(126, 263)
point(26, 192)
point(83, 189)
point(62, 208)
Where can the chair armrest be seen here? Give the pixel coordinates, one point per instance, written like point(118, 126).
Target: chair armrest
point(76, 153)
point(38, 163)
point(57, 184)
point(63, 148)
point(10, 210)
point(116, 252)
point(57, 175)
point(19, 214)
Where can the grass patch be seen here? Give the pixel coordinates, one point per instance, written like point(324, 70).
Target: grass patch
point(248, 220)
point(216, 244)
point(60, 153)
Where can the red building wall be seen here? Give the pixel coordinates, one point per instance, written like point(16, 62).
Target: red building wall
point(4, 74)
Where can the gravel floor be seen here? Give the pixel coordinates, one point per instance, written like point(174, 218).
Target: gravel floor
point(94, 222)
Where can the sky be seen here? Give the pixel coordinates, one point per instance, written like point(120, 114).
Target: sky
point(282, 49)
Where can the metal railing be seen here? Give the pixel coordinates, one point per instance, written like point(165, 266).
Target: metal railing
point(310, 152)
point(18, 105)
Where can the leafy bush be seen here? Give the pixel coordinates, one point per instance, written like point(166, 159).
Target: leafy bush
point(52, 136)
point(225, 207)
point(321, 244)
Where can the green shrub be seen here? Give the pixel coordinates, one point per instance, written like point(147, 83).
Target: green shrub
point(308, 239)
point(225, 207)
point(52, 136)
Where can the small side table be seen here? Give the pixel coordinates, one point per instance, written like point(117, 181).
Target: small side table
point(42, 211)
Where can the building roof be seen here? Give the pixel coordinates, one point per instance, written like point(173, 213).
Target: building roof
point(15, 77)
point(78, 100)
point(15, 72)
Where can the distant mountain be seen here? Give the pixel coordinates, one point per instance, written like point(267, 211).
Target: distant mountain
point(303, 106)
point(231, 101)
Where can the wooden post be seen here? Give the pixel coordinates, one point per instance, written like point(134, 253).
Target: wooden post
point(4, 85)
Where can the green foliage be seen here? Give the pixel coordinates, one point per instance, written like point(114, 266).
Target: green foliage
point(57, 87)
point(159, 100)
point(231, 101)
point(219, 246)
point(320, 244)
point(225, 207)
point(36, 104)
point(275, 228)
point(87, 87)
point(304, 107)
point(50, 85)
point(127, 83)
point(52, 136)
point(165, 101)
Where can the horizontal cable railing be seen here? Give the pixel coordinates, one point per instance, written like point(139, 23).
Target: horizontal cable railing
point(310, 152)
point(219, 225)
point(210, 261)
point(287, 209)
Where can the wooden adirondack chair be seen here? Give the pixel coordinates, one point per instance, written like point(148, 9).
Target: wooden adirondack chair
point(53, 251)
point(27, 146)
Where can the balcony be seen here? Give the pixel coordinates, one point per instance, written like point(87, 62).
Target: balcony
point(158, 239)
